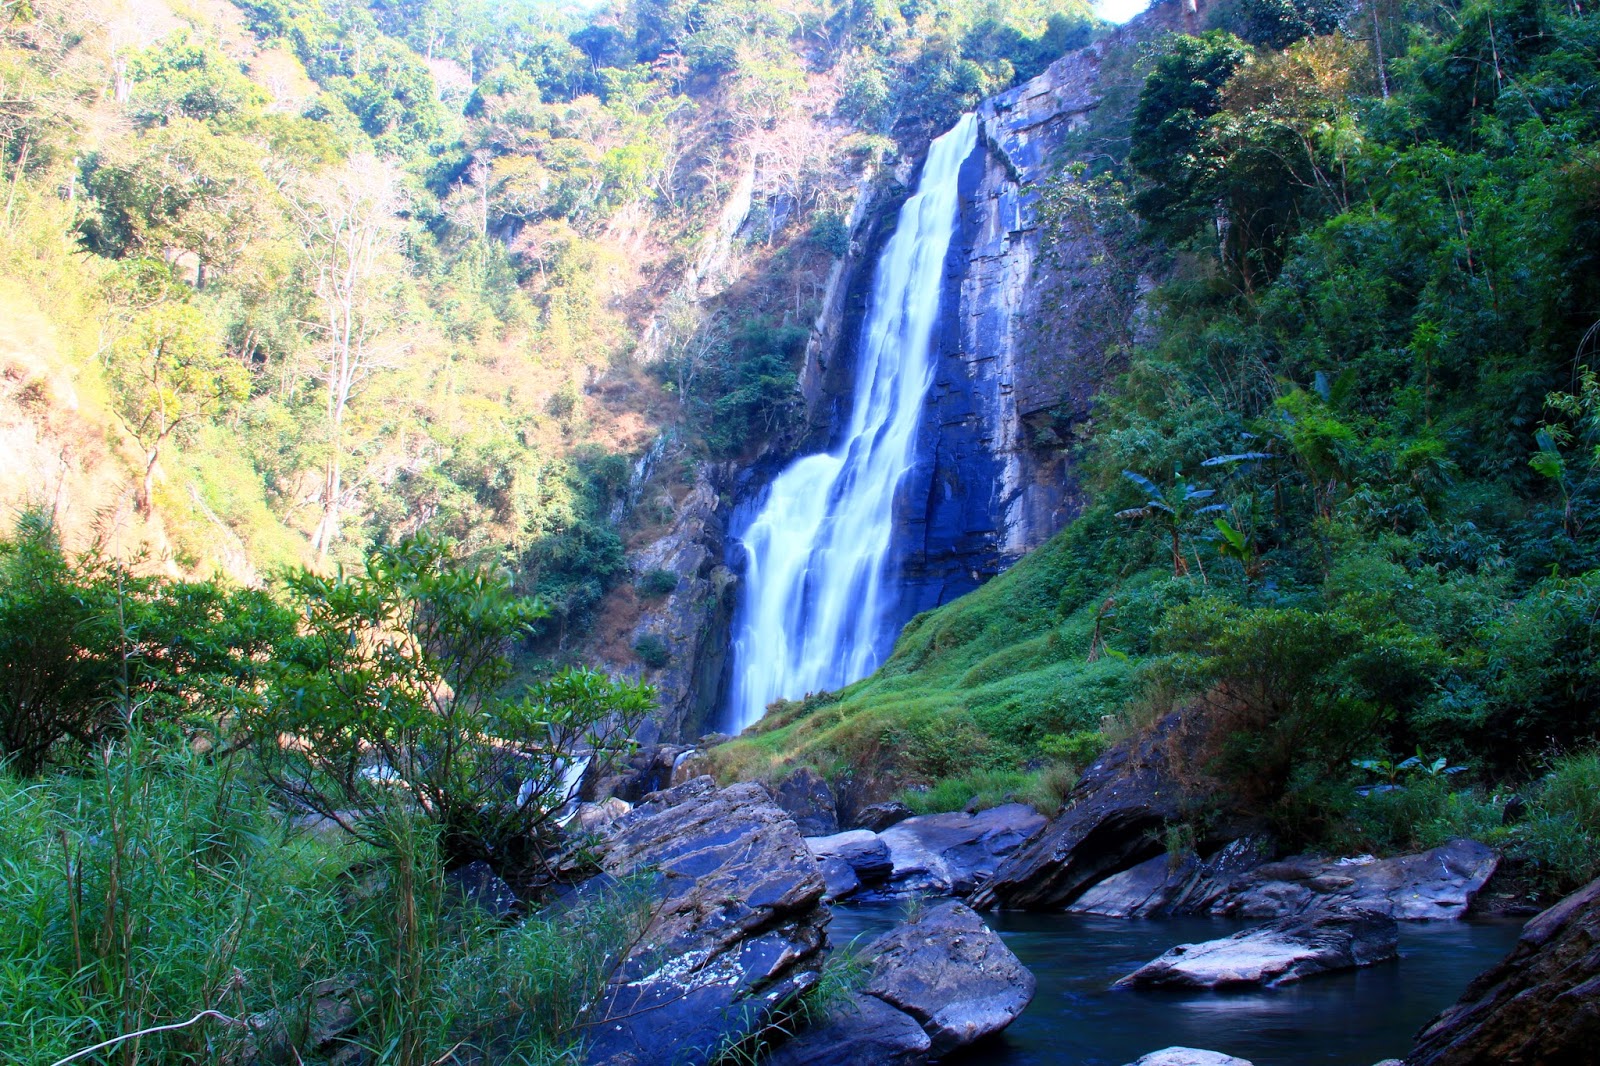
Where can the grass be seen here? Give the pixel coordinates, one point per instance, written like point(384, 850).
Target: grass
point(155, 884)
point(980, 686)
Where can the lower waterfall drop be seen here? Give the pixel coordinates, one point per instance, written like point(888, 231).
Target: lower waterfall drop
point(813, 607)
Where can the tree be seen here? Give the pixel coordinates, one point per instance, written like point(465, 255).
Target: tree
point(88, 648)
point(1174, 508)
point(171, 370)
point(1169, 151)
point(395, 689)
point(349, 232)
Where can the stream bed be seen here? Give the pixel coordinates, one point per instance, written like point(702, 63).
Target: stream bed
point(1355, 1018)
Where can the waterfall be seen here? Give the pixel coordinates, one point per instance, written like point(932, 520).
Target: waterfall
point(814, 612)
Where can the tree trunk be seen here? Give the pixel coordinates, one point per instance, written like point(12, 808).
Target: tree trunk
point(328, 527)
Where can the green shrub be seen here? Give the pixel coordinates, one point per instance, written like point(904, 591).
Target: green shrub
point(652, 651)
point(1561, 833)
point(89, 648)
point(654, 584)
point(159, 883)
point(395, 685)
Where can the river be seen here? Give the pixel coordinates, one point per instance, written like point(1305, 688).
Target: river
point(1354, 1018)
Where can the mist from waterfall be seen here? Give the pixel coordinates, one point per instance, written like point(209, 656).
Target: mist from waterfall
point(813, 607)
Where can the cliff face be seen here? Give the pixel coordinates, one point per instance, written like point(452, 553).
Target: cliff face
point(1034, 324)
point(1036, 318)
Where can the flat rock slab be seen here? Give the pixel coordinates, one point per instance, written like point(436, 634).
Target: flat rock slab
point(860, 1031)
point(1540, 1004)
point(953, 854)
point(1188, 1056)
point(736, 934)
point(1277, 953)
point(950, 972)
point(1437, 884)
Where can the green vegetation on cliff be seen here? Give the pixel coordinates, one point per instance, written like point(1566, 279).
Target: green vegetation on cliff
point(1345, 493)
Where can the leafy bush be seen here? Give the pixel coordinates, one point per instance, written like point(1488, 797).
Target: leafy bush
point(394, 686)
point(88, 649)
point(1561, 834)
point(654, 584)
point(653, 651)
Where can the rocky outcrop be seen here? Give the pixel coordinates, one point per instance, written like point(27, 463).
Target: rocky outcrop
point(858, 1031)
point(736, 934)
point(1113, 820)
point(653, 768)
point(1277, 953)
point(1541, 1004)
point(1239, 882)
point(1437, 884)
point(691, 621)
point(950, 972)
point(851, 861)
point(879, 816)
point(954, 853)
point(809, 801)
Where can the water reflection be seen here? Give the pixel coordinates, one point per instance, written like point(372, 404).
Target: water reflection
point(1348, 1019)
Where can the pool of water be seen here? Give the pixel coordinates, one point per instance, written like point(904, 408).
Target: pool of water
point(1347, 1019)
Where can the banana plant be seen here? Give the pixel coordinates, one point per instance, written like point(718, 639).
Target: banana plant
point(1173, 508)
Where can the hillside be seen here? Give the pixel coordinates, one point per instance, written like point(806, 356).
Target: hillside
point(335, 273)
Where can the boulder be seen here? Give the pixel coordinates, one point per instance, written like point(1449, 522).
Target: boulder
point(736, 933)
point(592, 817)
point(952, 973)
point(1277, 953)
point(864, 851)
point(1437, 884)
point(1160, 887)
point(1113, 820)
point(1540, 1004)
point(879, 816)
point(1188, 1056)
point(859, 1031)
point(839, 877)
point(477, 885)
point(952, 854)
point(809, 800)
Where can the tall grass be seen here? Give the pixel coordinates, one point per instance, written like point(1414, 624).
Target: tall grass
point(155, 884)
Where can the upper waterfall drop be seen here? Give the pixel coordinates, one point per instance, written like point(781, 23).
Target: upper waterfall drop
point(812, 606)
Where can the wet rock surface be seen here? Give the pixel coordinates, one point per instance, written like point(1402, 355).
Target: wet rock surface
point(1188, 1056)
point(860, 1031)
point(1113, 820)
point(1541, 1004)
point(862, 853)
point(1238, 881)
point(952, 973)
point(954, 853)
point(736, 934)
point(1277, 953)
point(808, 799)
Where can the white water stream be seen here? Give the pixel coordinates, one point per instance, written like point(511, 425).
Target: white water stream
point(814, 605)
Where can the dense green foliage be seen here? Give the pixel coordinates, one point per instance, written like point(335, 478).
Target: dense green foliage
point(1343, 498)
point(158, 883)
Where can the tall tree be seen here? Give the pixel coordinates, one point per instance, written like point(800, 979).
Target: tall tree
point(349, 229)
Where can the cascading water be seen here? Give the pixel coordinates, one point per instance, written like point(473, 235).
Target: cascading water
point(814, 607)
